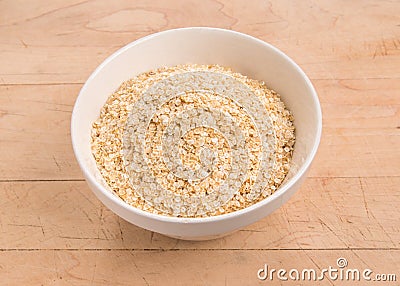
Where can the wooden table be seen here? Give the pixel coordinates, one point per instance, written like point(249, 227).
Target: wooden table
point(53, 231)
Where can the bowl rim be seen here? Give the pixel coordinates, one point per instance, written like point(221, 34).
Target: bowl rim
point(198, 220)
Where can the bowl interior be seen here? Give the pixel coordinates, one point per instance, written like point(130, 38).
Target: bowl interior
point(242, 53)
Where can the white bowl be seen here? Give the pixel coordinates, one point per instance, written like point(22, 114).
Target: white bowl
point(243, 53)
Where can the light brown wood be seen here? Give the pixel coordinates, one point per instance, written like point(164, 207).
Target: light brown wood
point(357, 114)
point(328, 213)
point(192, 267)
point(338, 40)
point(53, 231)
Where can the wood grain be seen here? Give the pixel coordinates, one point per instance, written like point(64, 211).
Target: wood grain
point(338, 40)
point(327, 213)
point(357, 114)
point(192, 267)
point(53, 231)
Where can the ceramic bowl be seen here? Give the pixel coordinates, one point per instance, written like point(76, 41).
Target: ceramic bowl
point(243, 53)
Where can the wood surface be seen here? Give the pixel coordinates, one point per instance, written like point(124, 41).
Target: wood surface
point(53, 231)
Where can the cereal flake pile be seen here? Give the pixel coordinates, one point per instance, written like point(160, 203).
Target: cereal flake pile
point(193, 141)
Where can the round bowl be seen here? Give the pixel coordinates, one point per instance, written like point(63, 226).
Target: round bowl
point(200, 45)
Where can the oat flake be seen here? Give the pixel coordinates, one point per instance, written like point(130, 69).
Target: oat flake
point(193, 141)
